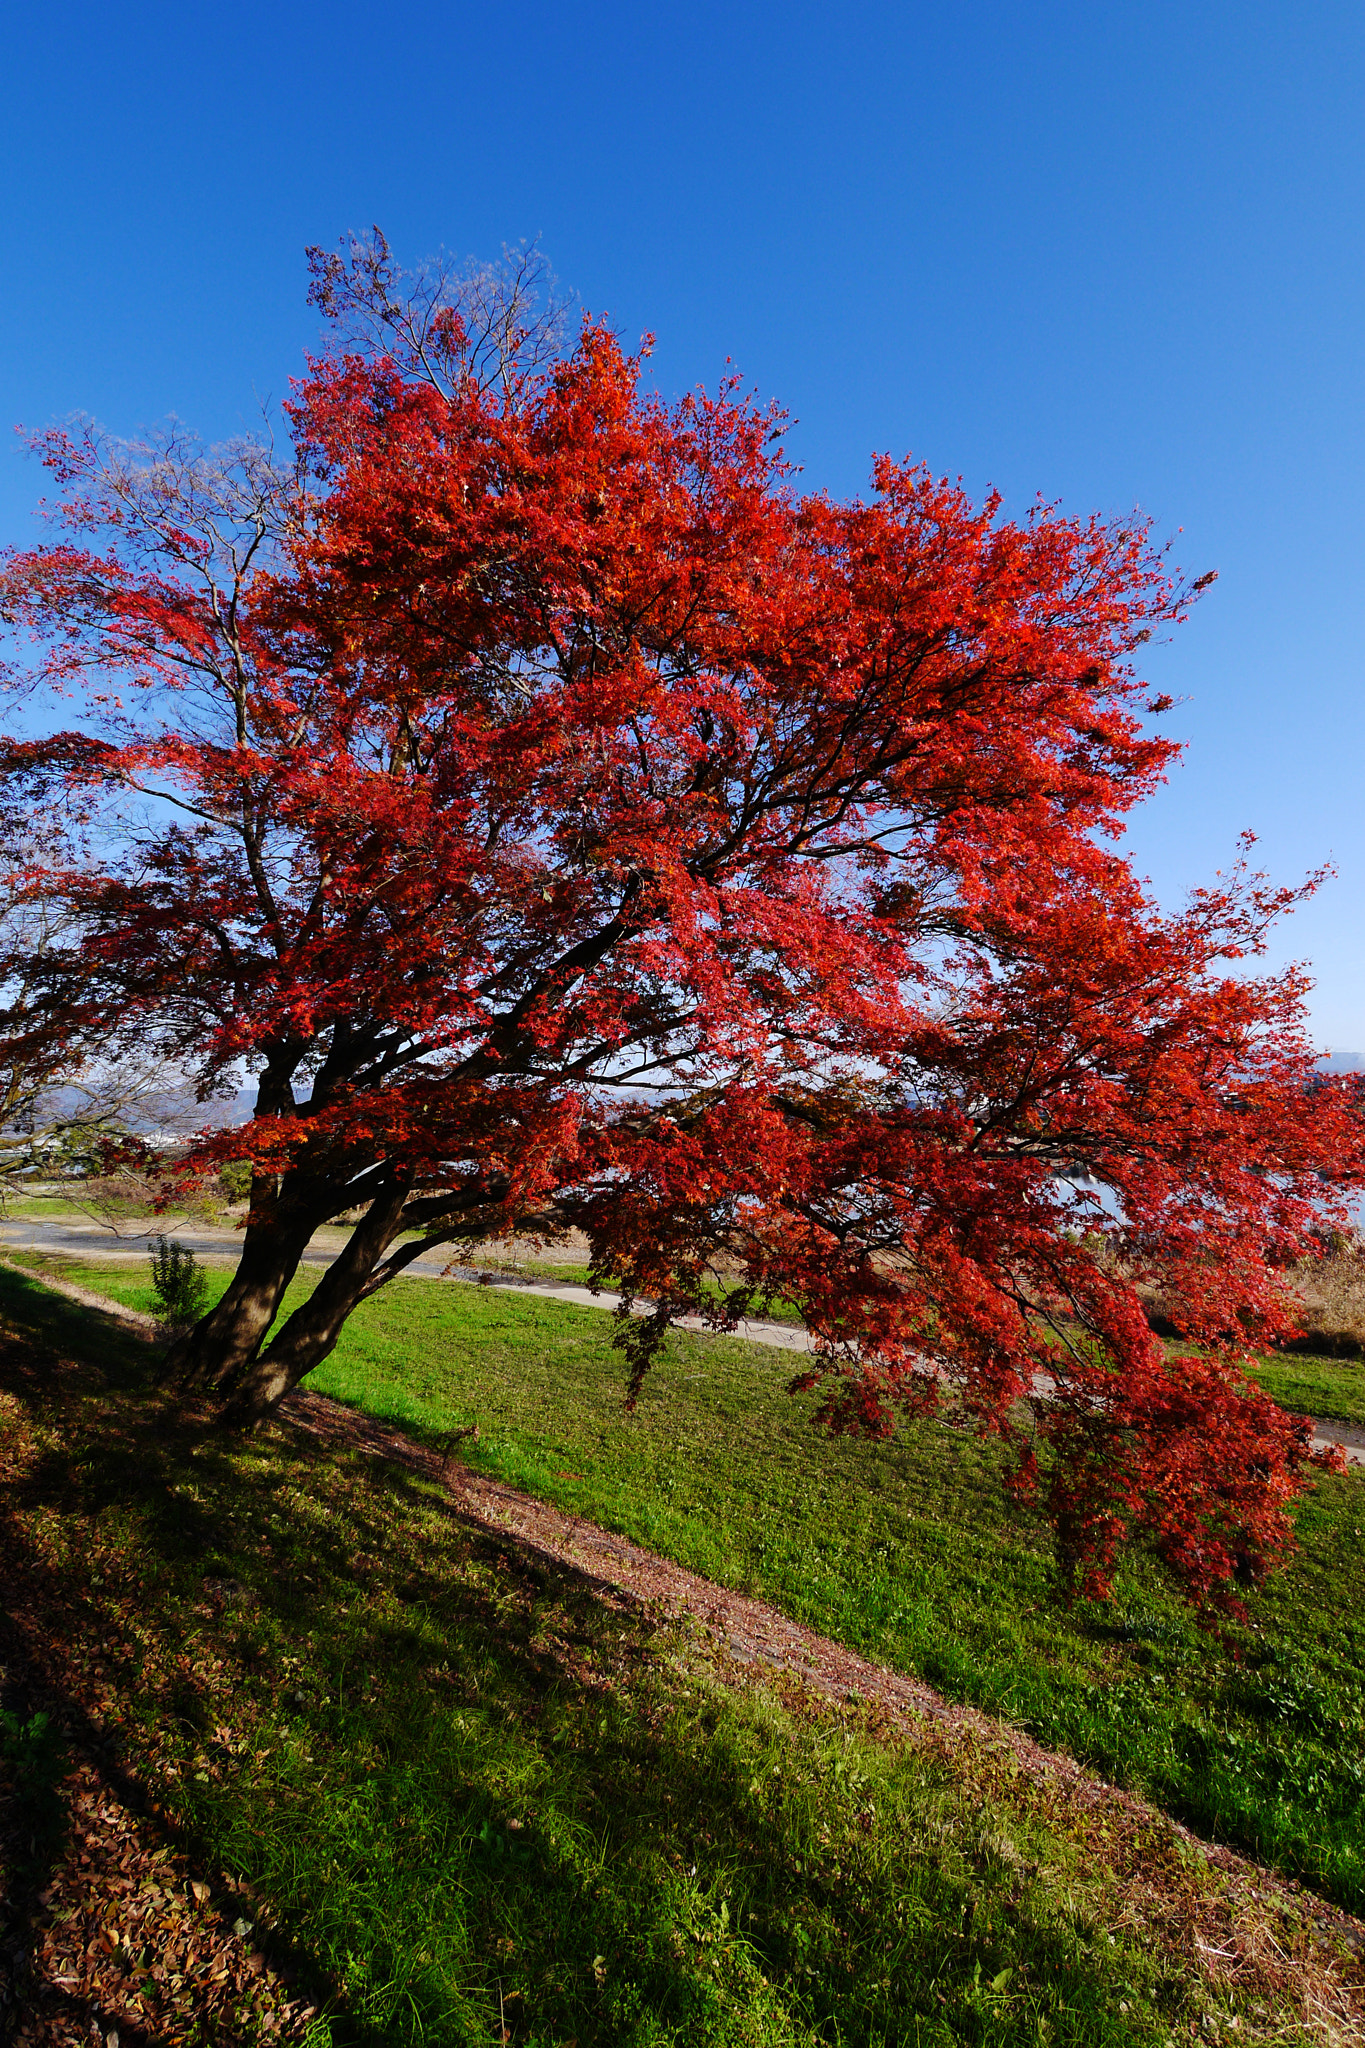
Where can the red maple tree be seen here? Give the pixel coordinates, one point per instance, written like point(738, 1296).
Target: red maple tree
point(571, 824)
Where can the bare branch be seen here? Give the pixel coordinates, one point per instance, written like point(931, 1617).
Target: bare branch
point(451, 324)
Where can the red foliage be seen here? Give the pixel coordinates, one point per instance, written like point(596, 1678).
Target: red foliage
point(578, 826)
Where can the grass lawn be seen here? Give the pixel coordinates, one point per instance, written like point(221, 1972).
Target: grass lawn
point(42, 1205)
point(1315, 1386)
point(763, 1311)
point(472, 1801)
point(908, 1551)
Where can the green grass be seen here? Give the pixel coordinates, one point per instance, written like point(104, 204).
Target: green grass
point(1315, 1386)
point(907, 1550)
point(468, 1794)
point(762, 1311)
point(44, 1206)
point(1305, 1385)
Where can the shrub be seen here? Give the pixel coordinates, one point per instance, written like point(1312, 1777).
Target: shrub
point(179, 1283)
point(234, 1180)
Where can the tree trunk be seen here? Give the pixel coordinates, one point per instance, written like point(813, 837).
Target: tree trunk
point(224, 1340)
point(259, 1384)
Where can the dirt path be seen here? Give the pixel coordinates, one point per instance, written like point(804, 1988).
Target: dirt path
point(1224, 1925)
point(1241, 1925)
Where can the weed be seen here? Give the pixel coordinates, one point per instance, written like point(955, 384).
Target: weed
point(179, 1284)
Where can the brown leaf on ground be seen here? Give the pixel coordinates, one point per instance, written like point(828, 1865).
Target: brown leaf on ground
point(106, 1925)
point(120, 1930)
point(121, 1937)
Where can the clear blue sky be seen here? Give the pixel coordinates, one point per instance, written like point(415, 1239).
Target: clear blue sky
point(1110, 254)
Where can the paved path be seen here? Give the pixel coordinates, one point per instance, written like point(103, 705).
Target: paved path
point(90, 1240)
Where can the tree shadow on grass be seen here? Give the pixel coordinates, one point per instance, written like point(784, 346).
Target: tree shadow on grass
point(59, 1744)
point(33, 1820)
point(472, 1786)
point(58, 1334)
point(57, 1357)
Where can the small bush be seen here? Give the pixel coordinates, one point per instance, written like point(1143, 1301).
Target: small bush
point(234, 1180)
point(179, 1283)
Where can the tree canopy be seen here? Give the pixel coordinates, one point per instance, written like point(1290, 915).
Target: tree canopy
point(570, 823)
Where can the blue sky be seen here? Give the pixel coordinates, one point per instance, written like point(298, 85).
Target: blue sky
point(1109, 254)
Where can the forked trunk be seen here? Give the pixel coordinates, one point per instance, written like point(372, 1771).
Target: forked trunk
point(261, 1382)
point(224, 1341)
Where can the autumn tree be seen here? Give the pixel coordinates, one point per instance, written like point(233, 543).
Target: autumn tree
point(570, 823)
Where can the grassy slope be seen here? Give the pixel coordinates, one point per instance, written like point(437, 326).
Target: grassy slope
point(906, 1550)
point(468, 1793)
